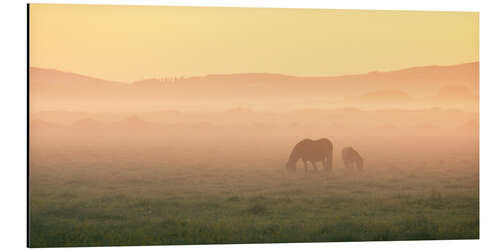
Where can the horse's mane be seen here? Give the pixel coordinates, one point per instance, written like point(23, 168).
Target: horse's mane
point(295, 148)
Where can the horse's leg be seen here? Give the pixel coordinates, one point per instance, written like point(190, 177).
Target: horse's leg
point(315, 167)
point(358, 165)
point(305, 165)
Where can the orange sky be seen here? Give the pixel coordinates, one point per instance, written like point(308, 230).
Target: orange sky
point(130, 43)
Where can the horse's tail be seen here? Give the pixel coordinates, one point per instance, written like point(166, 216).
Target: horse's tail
point(360, 162)
point(329, 158)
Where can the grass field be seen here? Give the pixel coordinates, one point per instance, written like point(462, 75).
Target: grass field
point(152, 194)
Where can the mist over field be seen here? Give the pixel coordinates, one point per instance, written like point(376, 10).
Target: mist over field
point(454, 86)
point(202, 160)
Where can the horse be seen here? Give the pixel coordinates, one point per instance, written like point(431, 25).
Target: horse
point(351, 157)
point(311, 151)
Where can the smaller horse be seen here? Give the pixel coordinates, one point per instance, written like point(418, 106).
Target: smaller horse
point(311, 151)
point(351, 157)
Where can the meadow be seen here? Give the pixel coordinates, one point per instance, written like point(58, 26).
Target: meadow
point(174, 126)
point(114, 191)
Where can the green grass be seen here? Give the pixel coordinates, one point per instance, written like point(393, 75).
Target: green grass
point(86, 202)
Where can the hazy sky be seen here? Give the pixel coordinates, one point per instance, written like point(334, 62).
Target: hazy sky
point(130, 43)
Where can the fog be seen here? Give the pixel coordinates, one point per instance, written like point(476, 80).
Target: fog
point(170, 165)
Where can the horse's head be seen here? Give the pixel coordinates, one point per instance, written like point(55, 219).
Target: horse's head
point(291, 167)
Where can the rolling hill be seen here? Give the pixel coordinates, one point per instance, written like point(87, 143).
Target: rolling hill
point(52, 89)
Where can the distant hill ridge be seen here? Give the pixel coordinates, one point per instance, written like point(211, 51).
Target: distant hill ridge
point(54, 89)
point(57, 77)
point(449, 71)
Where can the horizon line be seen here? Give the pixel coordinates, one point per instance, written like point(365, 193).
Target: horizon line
point(252, 73)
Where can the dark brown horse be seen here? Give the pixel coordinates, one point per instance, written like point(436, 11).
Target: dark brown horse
point(351, 157)
point(311, 151)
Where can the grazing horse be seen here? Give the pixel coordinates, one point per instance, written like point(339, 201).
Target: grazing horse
point(311, 151)
point(351, 157)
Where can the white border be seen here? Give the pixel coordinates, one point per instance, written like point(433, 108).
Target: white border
point(13, 110)
point(354, 4)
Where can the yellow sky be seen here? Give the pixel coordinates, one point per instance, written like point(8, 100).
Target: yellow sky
point(130, 43)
